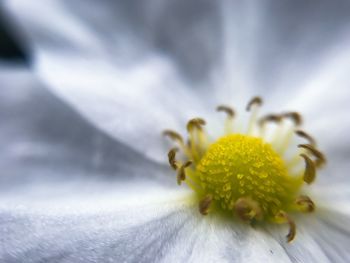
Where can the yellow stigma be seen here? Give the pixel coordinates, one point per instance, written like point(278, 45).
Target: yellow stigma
point(247, 172)
point(239, 166)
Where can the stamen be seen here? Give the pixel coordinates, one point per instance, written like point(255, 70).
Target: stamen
point(292, 228)
point(294, 116)
point(254, 101)
point(270, 118)
point(275, 118)
point(172, 157)
point(228, 110)
point(229, 120)
point(195, 123)
point(287, 130)
point(320, 158)
point(310, 170)
point(205, 203)
point(198, 139)
point(253, 104)
point(181, 176)
point(248, 209)
point(178, 138)
point(307, 136)
point(305, 203)
point(173, 135)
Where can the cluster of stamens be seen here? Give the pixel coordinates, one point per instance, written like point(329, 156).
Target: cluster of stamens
point(249, 173)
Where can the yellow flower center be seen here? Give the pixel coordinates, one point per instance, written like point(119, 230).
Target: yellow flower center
point(248, 172)
point(239, 165)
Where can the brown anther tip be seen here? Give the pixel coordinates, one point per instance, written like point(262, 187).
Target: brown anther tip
point(270, 118)
point(173, 135)
point(310, 169)
point(292, 227)
point(181, 175)
point(171, 157)
point(295, 117)
point(304, 200)
point(195, 123)
point(187, 164)
point(254, 101)
point(320, 158)
point(247, 209)
point(228, 110)
point(307, 136)
point(204, 204)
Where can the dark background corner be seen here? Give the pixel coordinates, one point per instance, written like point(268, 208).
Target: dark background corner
point(10, 49)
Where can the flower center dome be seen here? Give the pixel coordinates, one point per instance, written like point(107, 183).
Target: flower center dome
point(248, 172)
point(238, 165)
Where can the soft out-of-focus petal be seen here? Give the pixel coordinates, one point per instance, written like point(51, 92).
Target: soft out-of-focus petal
point(324, 96)
point(120, 79)
point(275, 48)
point(126, 31)
point(43, 141)
point(114, 56)
point(323, 102)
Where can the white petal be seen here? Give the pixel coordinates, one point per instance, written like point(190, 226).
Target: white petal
point(272, 48)
point(324, 98)
point(91, 228)
point(43, 141)
point(127, 86)
point(332, 233)
point(263, 48)
point(333, 236)
point(165, 229)
point(212, 239)
point(125, 31)
point(323, 102)
point(117, 79)
point(324, 235)
point(317, 239)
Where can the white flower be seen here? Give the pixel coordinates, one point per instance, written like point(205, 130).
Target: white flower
point(92, 185)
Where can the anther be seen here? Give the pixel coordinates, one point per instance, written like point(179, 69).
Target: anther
point(254, 101)
point(204, 204)
point(228, 110)
point(307, 136)
point(305, 203)
point(181, 175)
point(320, 158)
point(292, 228)
point(248, 209)
point(294, 116)
point(173, 135)
point(270, 118)
point(195, 123)
point(310, 170)
point(172, 158)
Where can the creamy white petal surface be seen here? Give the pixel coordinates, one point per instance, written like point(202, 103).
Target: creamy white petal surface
point(134, 69)
point(136, 79)
point(55, 167)
point(165, 61)
point(71, 194)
